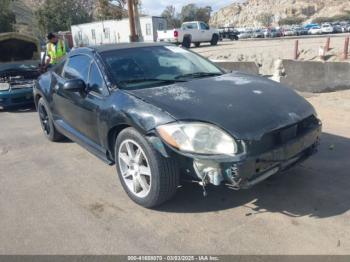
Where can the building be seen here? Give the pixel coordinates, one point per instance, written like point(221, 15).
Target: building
point(115, 31)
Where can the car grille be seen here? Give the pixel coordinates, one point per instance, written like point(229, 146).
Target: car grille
point(19, 79)
point(282, 136)
point(22, 84)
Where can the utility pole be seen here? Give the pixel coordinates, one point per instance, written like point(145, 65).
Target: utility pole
point(137, 21)
point(133, 35)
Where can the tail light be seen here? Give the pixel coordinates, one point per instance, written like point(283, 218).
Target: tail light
point(176, 33)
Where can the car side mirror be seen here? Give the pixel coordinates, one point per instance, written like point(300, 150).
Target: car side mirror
point(74, 85)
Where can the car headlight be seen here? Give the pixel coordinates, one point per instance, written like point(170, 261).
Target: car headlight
point(4, 86)
point(198, 138)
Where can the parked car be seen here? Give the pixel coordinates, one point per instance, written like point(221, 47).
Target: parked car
point(289, 32)
point(327, 28)
point(258, 34)
point(164, 114)
point(345, 27)
point(316, 30)
point(338, 29)
point(272, 33)
point(195, 32)
point(228, 33)
point(19, 67)
point(309, 26)
point(246, 34)
point(300, 31)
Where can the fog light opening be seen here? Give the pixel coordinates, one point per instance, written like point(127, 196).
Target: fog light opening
point(209, 172)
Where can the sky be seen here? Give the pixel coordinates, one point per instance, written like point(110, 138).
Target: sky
point(156, 7)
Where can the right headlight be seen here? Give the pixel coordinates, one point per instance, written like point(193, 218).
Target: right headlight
point(200, 138)
point(4, 86)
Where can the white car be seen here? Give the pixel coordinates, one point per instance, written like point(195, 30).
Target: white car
point(316, 30)
point(327, 29)
point(195, 32)
point(246, 34)
point(289, 32)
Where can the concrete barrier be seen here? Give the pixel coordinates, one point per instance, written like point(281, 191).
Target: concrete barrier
point(310, 76)
point(246, 67)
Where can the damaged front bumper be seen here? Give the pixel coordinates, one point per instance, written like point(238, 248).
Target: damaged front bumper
point(247, 170)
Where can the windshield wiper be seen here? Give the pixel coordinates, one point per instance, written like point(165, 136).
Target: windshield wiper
point(198, 75)
point(141, 80)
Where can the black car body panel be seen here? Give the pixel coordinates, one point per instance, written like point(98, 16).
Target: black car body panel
point(245, 106)
point(273, 125)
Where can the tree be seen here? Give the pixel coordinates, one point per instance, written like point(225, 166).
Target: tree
point(7, 17)
point(110, 9)
point(265, 19)
point(291, 21)
point(171, 17)
point(53, 15)
point(192, 12)
point(341, 17)
point(188, 13)
point(203, 14)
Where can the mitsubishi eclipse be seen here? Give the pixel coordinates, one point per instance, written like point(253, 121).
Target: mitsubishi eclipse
point(165, 115)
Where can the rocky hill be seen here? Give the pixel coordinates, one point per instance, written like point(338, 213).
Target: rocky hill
point(247, 13)
point(24, 11)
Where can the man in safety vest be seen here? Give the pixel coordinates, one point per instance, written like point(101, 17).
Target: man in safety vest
point(55, 49)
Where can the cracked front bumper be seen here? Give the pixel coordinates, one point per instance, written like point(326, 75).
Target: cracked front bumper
point(247, 170)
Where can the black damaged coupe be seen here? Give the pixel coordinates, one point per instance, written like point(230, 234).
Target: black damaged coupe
point(165, 115)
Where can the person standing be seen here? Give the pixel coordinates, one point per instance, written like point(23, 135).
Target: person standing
point(55, 49)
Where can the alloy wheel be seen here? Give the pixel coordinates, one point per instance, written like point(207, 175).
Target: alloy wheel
point(135, 168)
point(44, 119)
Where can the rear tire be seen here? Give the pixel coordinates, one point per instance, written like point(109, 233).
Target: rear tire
point(46, 122)
point(148, 178)
point(187, 42)
point(214, 40)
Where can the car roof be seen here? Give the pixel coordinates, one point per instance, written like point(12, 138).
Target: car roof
point(111, 47)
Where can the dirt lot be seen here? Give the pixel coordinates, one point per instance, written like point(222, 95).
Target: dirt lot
point(266, 51)
point(56, 198)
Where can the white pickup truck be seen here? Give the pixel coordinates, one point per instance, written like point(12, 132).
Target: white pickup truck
point(195, 32)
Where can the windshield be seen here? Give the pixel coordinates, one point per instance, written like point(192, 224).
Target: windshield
point(143, 67)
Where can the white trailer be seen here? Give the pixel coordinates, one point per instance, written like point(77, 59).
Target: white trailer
point(115, 31)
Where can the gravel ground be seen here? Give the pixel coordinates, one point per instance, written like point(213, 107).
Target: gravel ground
point(56, 198)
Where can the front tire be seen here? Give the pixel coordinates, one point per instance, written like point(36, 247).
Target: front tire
point(46, 122)
point(148, 178)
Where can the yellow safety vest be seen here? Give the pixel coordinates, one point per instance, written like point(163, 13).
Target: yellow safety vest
point(56, 52)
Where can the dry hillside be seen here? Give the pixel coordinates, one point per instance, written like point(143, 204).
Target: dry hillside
point(246, 14)
point(24, 11)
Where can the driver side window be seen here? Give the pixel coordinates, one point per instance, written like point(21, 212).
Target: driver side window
point(204, 26)
point(96, 82)
point(77, 68)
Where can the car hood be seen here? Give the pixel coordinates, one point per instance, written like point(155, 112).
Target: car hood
point(18, 47)
point(245, 106)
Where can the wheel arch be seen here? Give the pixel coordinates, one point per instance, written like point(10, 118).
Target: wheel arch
point(189, 36)
point(112, 136)
point(155, 141)
point(36, 99)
